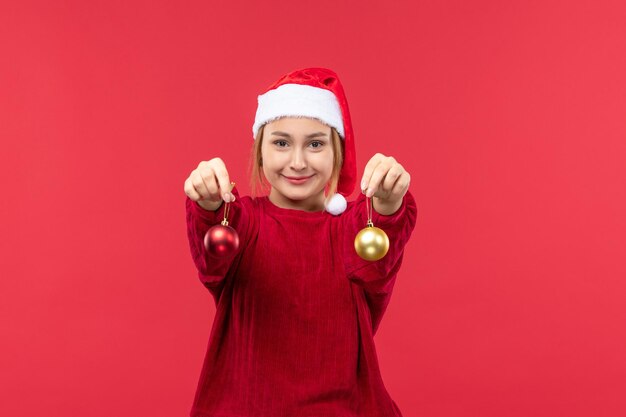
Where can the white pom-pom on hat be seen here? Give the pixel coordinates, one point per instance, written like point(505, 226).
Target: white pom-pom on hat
point(337, 204)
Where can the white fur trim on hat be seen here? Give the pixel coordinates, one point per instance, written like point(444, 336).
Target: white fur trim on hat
point(337, 204)
point(298, 100)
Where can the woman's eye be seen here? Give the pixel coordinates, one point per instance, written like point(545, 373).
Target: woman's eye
point(315, 144)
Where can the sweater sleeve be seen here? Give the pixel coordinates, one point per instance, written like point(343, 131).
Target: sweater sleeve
point(377, 278)
point(212, 270)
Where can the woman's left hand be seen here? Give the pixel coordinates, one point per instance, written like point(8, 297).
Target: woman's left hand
point(386, 180)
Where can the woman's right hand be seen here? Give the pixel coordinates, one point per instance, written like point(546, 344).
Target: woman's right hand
point(209, 184)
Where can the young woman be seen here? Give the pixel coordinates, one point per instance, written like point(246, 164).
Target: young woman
point(296, 307)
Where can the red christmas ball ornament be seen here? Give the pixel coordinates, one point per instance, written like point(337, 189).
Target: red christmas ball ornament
point(221, 240)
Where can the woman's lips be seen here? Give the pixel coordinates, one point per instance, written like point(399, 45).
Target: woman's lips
point(297, 180)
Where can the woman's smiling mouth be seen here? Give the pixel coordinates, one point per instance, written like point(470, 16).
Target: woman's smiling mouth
point(297, 180)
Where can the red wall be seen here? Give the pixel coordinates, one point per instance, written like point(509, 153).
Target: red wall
point(509, 117)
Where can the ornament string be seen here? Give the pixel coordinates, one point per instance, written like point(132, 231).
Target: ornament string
point(227, 207)
point(368, 204)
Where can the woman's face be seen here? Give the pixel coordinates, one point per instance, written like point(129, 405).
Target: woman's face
point(297, 148)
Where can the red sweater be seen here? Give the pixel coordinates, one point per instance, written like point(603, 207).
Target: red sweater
point(296, 311)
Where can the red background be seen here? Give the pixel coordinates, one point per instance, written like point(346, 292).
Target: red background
point(509, 117)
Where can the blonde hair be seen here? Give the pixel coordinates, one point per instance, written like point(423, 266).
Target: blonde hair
point(258, 180)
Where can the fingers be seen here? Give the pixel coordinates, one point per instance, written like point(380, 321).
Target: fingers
point(190, 190)
point(376, 172)
point(210, 181)
point(223, 181)
point(203, 181)
point(401, 185)
point(385, 178)
point(366, 181)
point(391, 178)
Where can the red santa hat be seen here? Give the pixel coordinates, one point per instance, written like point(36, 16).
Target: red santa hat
point(316, 93)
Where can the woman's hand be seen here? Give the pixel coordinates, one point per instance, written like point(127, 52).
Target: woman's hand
point(209, 184)
point(387, 181)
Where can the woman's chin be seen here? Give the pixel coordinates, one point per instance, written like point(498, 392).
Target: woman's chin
point(297, 193)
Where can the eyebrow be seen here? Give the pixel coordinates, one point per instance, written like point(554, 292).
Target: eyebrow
point(287, 135)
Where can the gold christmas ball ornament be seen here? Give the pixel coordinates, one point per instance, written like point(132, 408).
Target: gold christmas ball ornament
point(371, 243)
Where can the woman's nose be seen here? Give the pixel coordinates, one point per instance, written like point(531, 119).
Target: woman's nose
point(298, 160)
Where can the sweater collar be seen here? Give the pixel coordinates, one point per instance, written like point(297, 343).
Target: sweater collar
point(272, 208)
